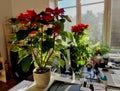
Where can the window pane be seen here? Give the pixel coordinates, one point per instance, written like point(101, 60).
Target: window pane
point(66, 3)
point(94, 17)
point(71, 12)
point(90, 1)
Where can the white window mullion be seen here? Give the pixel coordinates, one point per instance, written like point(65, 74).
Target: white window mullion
point(53, 3)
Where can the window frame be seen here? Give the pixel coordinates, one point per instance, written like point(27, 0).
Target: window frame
point(106, 18)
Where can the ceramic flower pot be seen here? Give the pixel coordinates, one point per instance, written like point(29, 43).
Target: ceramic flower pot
point(41, 79)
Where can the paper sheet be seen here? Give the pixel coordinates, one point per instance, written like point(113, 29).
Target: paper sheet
point(22, 86)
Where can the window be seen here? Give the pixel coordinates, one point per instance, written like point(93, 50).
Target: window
point(101, 15)
point(92, 12)
point(90, 1)
point(70, 9)
point(89, 15)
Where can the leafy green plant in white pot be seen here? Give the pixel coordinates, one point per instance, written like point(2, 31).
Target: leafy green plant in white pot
point(37, 39)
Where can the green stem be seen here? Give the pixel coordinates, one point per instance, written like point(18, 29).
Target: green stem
point(48, 59)
point(35, 55)
point(41, 58)
point(50, 53)
point(41, 50)
point(36, 59)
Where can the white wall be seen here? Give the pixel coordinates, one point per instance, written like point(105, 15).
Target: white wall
point(19, 6)
point(12, 8)
point(5, 13)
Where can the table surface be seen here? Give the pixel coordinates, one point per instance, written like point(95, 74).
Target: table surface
point(54, 76)
point(61, 77)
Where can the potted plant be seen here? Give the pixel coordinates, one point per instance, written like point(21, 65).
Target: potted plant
point(38, 37)
point(79, 49)
point(99, 51)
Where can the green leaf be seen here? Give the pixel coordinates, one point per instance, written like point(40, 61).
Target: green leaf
point(69, 36)
point(16, 49)
point(60, 61)
point(35, 40)
point(59, 47)
point(47, 45)
point(22, 34)
point(59, 41)
point(61, 26)
point(65, 34)
point(67, 18)
point(13, 39)
point(81, 63)
point(62, 20)
point(23, 54)
point(49, 31)
point(26, 63)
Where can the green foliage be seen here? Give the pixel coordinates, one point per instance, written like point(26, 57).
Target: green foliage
point(59, 61)
point(23, 33)
point(99, 48)
point(26, 62)
point(67, 36)
point(80, 49)
point(47, 44)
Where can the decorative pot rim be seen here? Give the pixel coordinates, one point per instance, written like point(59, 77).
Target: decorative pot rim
point(41, 71)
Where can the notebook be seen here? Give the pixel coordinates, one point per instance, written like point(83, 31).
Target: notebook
point(22, 86)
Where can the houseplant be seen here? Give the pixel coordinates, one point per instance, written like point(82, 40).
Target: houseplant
point(80, 49)
point(99, 51)
point(38, 38)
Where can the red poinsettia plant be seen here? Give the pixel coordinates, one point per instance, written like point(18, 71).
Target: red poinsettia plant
point(79, 28)
point(80, 49)
point(38, 35)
